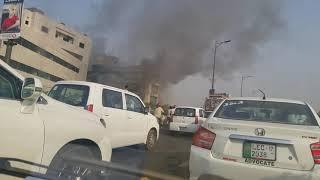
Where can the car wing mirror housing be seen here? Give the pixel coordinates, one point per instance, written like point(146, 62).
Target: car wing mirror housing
point(146, 110)
point(30, 93)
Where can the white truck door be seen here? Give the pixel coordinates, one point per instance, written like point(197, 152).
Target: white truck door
point(21, 135)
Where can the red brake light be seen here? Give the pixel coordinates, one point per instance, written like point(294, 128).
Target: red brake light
point(196, 120)
point(203, 138)
point(315, 150)
point(89, 107)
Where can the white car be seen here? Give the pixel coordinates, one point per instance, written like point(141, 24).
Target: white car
point(256, 139)
point(122, 111)
point(41, 130)
point(186, 119)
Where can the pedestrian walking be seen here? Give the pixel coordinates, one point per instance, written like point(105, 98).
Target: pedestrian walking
point(158, 113)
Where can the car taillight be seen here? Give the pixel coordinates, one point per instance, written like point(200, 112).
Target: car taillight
point(89, 107)
point(203, 138)
point(315, 150)
point(196, 120)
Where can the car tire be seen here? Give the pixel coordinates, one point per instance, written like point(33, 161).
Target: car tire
point(64, 169)
point(151, 140)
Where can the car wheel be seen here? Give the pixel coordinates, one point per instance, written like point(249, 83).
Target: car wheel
point(64, 169)
point(151, 140)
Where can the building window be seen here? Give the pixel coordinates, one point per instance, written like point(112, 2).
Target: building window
point(44, 29)
point(81, 45)
point(64, 37)
point(29, 45)
point(26, 22)
point(78, 56)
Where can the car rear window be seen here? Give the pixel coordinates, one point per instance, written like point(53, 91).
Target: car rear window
point(75, 95)
point(266, 111)
point(188, 112)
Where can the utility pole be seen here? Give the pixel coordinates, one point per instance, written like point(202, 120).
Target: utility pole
point(216, 45)
point(10, 43)
point(214, 64)
point(242, 79)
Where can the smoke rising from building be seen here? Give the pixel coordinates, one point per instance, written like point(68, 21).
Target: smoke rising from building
point(172, 38)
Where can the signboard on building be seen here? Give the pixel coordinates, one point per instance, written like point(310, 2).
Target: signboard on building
point(11, 19)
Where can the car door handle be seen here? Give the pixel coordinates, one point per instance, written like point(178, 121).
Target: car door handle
point(103, 122)
point(106, 115)
point(129, 117)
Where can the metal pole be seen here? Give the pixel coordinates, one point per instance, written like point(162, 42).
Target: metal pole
point(241, 84)
point(242, 80)
point(214, 63)
point(10, 43)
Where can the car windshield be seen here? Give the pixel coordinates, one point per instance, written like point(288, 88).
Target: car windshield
point(75, 95)
point(267, 111)
point(187, 112)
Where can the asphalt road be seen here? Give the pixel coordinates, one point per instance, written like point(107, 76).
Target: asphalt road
point(170, 157)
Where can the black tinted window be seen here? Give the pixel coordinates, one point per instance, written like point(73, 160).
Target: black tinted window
point(112, 99)
point(10, 86)
point(75, 95)
point(134, 104)
point(201, 113)
point(188, 112)
point(266, 111)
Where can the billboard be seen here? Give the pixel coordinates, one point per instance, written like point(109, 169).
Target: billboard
point(11, 19)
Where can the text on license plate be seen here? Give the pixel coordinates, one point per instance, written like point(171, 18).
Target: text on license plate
point(259, 151)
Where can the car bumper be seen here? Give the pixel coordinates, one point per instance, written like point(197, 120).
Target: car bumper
point(203, 166)
point(183, 127)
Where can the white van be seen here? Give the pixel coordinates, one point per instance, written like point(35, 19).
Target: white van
point(187, 119)
point(126, 115)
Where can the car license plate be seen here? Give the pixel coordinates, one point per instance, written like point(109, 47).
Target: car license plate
point(259, 151)
point(182, 127)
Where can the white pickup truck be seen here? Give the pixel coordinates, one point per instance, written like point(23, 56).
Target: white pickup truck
point(41, 130)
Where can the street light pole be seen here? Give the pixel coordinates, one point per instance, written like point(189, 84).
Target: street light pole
point(242, 79)
point(10, 43)
point(216, 45)
point(214, 64)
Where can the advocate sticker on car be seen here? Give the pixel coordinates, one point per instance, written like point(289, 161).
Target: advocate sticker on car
point(259, 162)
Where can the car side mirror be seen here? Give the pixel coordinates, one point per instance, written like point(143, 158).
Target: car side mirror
point(146, 110)
point(30, 93)
point(31, 89)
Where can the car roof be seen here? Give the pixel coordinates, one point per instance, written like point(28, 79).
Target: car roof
point(188, 107)
point(267, 99)
point(11, 70)
point(86, 83)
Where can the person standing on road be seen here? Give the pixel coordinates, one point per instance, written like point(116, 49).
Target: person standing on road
point(158, 112)
point(171, 112)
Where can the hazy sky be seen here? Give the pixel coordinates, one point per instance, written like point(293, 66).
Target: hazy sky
point(287, 66)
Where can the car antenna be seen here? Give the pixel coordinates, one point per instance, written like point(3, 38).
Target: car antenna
point(264, 95)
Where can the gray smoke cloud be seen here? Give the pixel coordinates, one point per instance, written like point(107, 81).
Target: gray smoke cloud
point(174, 38)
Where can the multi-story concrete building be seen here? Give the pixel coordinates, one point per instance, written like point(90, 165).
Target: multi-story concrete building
point(49, 50)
